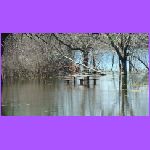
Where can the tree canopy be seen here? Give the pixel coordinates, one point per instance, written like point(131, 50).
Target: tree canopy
point(38, 53)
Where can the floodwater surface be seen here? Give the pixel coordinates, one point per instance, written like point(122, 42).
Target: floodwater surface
point(113, 95)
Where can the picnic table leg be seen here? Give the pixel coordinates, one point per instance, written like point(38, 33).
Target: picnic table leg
point(94, 81)
point(88, 80)
point(74, 80)
point(81, 81)
point(67, 81)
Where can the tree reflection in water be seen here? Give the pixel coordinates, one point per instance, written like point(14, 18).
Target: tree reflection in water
point(113, 95)
point(126, 107)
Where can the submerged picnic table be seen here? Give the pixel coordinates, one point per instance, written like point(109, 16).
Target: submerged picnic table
point(83, 78)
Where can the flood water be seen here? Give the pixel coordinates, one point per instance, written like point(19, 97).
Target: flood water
point(113, 95)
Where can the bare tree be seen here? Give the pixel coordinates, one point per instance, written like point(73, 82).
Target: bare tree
point(33, 54)
point(124, 44)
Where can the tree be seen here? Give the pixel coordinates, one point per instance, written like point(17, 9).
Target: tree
point(124, 44)
point(39, 53)
point(3, 39)
point(83, 42)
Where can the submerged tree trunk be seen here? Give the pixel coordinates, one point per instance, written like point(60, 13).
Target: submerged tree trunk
point(123, 94)
point(125, 106)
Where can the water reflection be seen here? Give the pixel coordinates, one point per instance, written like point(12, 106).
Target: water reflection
point(113, 95)
point(126, 108)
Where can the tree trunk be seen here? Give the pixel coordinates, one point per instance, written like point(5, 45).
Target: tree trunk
point(130, 64)
point(124, 93)
point(3, 38)
point(94, 63)
point(123, 65)
point(85, 59)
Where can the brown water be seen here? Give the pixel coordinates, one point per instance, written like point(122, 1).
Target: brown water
point(113, 95)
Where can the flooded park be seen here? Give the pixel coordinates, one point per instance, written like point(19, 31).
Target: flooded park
point(75, 75)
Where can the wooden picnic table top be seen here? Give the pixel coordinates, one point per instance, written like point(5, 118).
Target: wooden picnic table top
point(67, 79)
point(89, 79)
point(78, 75)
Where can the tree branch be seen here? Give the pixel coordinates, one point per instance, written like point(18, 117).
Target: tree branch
point(114, 46)
point(138, 58)
point(68, 45)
